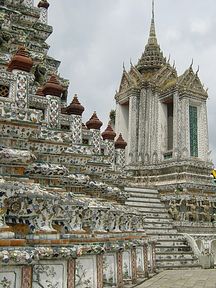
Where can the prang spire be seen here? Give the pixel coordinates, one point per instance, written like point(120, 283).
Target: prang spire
point(152, 58)
point(152, 35)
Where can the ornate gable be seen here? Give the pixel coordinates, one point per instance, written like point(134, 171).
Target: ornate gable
point(166, 77)
point(126, 82)
point(190, 81)
point(135, 75)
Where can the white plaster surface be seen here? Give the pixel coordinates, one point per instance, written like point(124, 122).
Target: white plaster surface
point(110, 270)
point(50, 274)
point(86, 272)
point(10, 277)
point(127, 273)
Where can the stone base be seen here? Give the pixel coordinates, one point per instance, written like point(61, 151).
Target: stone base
point(171, 175)
point(206, 261)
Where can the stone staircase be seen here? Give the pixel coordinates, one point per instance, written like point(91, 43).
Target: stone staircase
point(172, 251)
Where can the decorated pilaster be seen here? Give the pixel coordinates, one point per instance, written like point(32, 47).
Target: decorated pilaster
point(71, 273)
point(27, 277)
point(133, 128)
point(134, 265)
point(145, 256)
point(100, 271)
point(53, 91)
point(120, 146)
point(43, 5)
point(120, 269)
point(153, 255)
point(20, 65)
point(75, 110)
point(94, 124)
point(108, 136)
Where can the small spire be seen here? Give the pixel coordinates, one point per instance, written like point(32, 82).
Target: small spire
point(191, 65)
point(198, 68)
point(124, 67)
point(174, 64)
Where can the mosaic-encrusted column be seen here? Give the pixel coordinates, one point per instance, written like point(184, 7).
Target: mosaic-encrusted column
point(43, 5)
point(99, 271)
point(75, 110)
point(53, 91)
point(145, 256)
point(132, 129)
point(20, 65)
point(120, 145)
point(134, 265)
point(71, 270)
point(108, 137)
point(94, 124)
point(119, 269)
point(27, 277)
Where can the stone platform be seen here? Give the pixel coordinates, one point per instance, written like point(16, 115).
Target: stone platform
point(182, 279)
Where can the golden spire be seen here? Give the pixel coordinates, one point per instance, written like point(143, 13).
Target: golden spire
point(152, 35)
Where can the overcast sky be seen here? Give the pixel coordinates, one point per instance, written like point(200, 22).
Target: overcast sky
point(93, 38)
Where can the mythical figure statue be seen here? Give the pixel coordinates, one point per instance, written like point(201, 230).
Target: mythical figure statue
point(173, 210)
point(205, 214)
point(191, 214)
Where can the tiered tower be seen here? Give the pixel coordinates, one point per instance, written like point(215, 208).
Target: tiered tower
point(163, 117)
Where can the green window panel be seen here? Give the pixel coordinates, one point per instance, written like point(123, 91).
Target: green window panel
point(193, 131)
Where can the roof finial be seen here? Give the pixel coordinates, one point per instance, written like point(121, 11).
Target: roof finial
point(191, 65)
point(153, 10)
point(174, 64)
point(123, 66)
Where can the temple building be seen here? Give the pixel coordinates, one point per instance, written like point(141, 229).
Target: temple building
point(81, 207)
point(163, 118)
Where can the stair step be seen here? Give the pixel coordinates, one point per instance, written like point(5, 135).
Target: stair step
point(145, 204)
point(144, 200)
point(149, 209)
point(179, 267)
point(175, 257)
point(141, 190)
point(172, 251)
point(144, 196)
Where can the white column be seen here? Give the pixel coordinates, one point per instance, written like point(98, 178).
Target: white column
point(202, 123)
point(142, 120)
point(176, 125)
point(133, 129)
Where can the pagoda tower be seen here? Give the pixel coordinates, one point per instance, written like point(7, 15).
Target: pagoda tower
point(163, 118)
